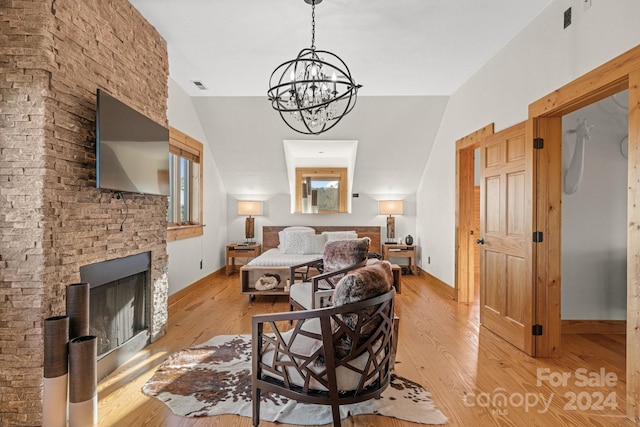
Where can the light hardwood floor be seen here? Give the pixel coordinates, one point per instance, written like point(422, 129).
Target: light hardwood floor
point(441, 346)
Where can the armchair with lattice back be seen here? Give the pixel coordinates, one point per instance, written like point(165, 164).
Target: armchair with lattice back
point(335, 355)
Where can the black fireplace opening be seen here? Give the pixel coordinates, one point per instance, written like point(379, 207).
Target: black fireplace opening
point(119, 308)
point(117, 311)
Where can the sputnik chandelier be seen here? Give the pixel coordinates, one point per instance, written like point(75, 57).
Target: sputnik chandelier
point(313, 91)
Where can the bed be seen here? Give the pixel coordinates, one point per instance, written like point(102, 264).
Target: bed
point(271, 240)
point(273, 262)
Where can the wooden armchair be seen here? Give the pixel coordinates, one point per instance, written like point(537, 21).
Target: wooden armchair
point(339, 257)
point(331, 356)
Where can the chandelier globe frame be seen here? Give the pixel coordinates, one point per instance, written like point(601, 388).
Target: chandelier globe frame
point(314, 91)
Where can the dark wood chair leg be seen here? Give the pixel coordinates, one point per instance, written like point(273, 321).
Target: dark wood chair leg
point(256, 407)
point(335, 410)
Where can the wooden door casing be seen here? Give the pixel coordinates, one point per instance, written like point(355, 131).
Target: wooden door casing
point(465, 234)
point(619, 73)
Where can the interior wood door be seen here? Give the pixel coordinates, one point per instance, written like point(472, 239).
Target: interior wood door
point(505, 299)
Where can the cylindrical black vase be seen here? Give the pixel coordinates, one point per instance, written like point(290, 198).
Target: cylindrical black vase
point(78, 309)
point(56, 352)
point(83, 381)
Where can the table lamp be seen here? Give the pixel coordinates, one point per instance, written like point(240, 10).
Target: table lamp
point(249, 207)
point(390, 207)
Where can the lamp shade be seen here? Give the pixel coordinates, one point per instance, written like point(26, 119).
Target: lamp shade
point(390, 207)
point(249, 207)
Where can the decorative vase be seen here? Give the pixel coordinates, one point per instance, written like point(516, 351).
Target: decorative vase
point(78, 309)
point(83, 396)
point(408, 240)
point(54, 395)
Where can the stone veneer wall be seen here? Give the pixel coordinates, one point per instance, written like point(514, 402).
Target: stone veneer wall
point(54, 55)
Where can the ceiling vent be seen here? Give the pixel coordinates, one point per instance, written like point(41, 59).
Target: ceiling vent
point(199, 85)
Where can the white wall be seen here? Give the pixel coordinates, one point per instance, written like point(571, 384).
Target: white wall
point(394, 137)
point(542, 58)
point(394, 133)
point(185, 255)
point(276, 211)
point(594, 219)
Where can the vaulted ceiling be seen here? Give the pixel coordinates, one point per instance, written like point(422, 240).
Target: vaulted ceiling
point(399, 47)
point(396, 49)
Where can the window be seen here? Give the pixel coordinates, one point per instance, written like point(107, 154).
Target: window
point(321, 190)
point(316, 159)
point(184, 214)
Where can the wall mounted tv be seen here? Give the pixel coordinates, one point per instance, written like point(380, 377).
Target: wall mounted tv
point(132, 151)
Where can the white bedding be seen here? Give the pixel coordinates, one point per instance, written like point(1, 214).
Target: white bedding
point(275, 258)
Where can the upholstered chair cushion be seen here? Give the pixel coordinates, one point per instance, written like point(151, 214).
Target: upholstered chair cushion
point(367, 282)
point(302, 294)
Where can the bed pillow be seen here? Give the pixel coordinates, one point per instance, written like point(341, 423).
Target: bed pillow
point(292, 242)
point(299, 228)
point(340, 235)
point(296, 228)
point(314, 243)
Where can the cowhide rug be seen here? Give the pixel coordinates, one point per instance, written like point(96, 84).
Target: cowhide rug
point(214, 378)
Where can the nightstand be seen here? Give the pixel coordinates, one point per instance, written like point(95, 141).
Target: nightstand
point(392, 250)
point(240, 250)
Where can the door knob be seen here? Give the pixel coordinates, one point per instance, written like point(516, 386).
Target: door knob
point(480, 241)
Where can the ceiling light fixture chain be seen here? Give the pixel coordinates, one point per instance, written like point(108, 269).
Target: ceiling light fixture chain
point(313, 91)
point(313, 24)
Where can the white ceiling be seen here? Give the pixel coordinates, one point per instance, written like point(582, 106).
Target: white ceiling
point(413, 53)
point(392, 47)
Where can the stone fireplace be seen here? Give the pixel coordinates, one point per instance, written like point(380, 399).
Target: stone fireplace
point(54, 221)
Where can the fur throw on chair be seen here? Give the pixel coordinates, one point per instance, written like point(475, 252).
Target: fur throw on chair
point(358, 285)
point(339, 254)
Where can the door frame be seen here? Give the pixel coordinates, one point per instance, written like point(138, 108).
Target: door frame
point(464, 259)
point(545, 116)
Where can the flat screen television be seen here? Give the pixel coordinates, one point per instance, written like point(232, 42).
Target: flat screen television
point(132, 151)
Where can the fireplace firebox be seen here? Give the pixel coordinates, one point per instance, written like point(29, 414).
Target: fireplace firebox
point(119, 295)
